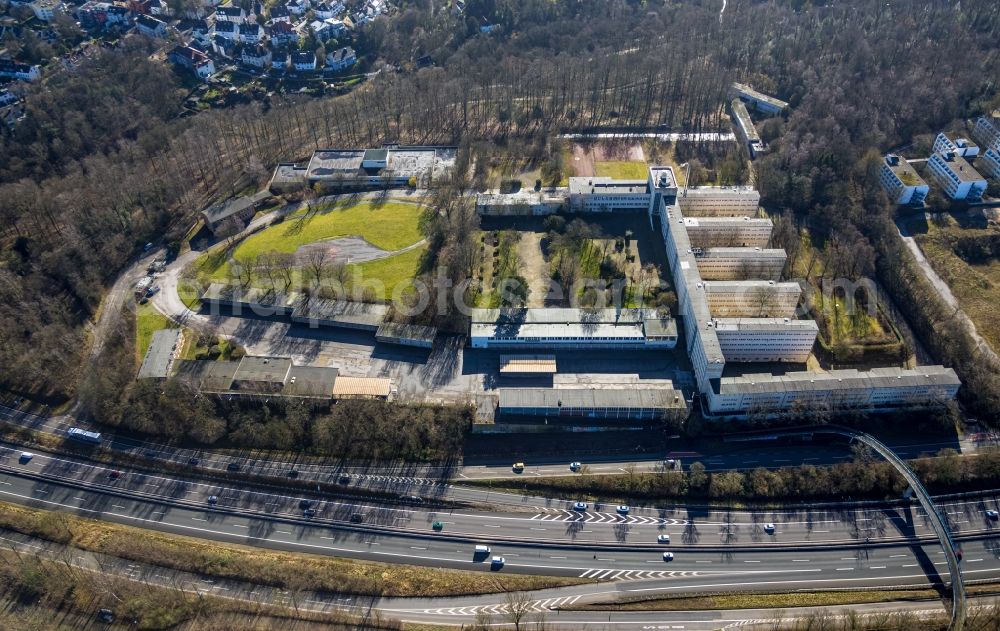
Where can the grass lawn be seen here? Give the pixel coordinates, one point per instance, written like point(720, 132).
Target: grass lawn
point(389, 226)
point(769, 601)
point(391, 271)
point(189, 294)
point(622, 169)
point(148, 321)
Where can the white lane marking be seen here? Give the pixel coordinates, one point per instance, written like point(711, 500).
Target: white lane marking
point(844, 569)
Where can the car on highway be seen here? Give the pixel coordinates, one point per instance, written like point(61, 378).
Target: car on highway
point(304, 504)
point(622, 509)
point(668, 556)
point(309, 512)
point(293, 474)
point(344, 479)
point(662, 538)
point(575, 466)
point(233, 466)
point(481, 551)
point(213, 499)
point(518, 467)
point(580, 506)
point(114, 475)
point(769, 529)
point(992, 515)
point(357, 518)
point(669, 463)
point(25, 457)
point(193, 462)
point(412, 499)
point(497, 562)
point(438, 525)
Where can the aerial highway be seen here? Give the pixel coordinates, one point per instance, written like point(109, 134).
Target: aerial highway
point(122, 492)
point(553, 605)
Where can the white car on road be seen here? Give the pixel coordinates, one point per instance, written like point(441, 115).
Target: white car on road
point(668, 556)
point(580, 506)
point(663, 539)
point(623, 509)
point(769, 529)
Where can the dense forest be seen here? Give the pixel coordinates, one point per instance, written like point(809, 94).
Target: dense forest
point(104, 161)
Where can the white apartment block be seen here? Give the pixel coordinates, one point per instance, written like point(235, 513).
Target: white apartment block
point(740, 263)
point(728, 232)
point(959, 146)
point(604, 194)
point(989, 162)
point(752, 298)
point(901, 182)
point(987, 132)
point(956, 176)
point(766, 339)
point(719, 201)
point(875, 390)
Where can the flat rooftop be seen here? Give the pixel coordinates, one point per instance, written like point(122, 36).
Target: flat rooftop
point(742, 252)
point(625, 397)
point(400, 161)
point(742, 88)
point(361, 387)
point(961, 168)
point(401, 331)
point(656, 173)
point(263, 369)
point(528, 364)
point(156, 363)
point(721, 222)
point(744, 121)
point(312, 382)
point(846, 379)
point(606, 186)
point(904, 171)
point(763, 324)
point(370, 314)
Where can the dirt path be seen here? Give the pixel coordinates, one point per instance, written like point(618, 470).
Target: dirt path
point(535, 269)
point(352, 250)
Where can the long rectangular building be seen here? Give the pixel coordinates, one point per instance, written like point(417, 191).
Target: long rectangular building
point(389, 167)
point(741, 263)
point(766, 339)
point(745, 128)
point(604, 194)
point(719, 201)
point(632, 403)
point(728, 232)
point(956, 176)
point(571, 328)
point(901, 182)
point(758, 100)
point(837, 390)
point(752, 298)
point(987, 132)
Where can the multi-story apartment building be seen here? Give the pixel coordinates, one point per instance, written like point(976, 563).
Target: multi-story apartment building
point(719, 201)
point(728, 232)
point(987, 132)
point(751, 298)
point(989, 162)
point(740, 263)
point(901, 182)
point(765, 339)
point(959, 146)
point(956, 176)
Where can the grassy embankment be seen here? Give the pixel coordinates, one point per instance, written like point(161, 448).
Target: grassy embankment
point(388, 226)
point(255, 565)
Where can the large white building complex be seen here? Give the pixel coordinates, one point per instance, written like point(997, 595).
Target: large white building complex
point(901, 182)
point(956, 176)
point(604, 194)
point(723, 323)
